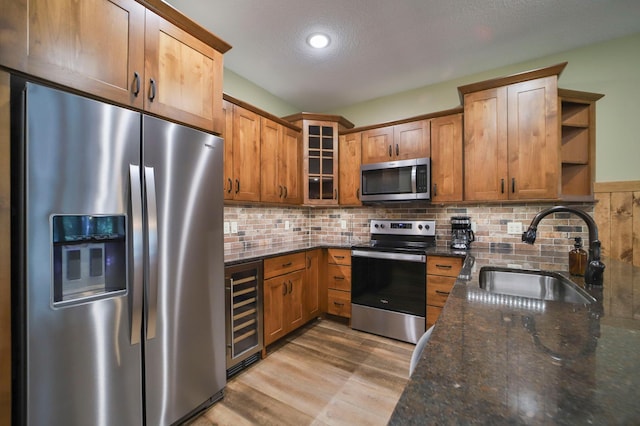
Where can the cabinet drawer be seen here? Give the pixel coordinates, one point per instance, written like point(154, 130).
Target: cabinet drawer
point(339, 277)
point(438, 289)
point(339, 256)
point(339, 303)
point(444, 265)
point(283, 264)
point(433, 312)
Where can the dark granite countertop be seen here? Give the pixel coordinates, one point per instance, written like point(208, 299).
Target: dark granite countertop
point(509, 360)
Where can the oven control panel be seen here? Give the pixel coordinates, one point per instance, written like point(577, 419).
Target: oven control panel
point(403, 227)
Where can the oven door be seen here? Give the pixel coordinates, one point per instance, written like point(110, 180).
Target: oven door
point(388, 293)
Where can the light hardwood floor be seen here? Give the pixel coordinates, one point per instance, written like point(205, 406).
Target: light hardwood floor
point(323, 374)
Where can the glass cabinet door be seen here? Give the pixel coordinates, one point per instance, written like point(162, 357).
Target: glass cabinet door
point(322, 142)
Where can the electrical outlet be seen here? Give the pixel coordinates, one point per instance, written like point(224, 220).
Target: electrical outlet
point(234, 227)
point(514, 228)
point(343, 224)
point(226, 228)
point(286, 224)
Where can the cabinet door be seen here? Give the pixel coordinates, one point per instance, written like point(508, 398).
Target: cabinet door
point(95, 46)
point(377, 145)
point(227, 183)
point(271, 188)
point(321, 162)
point(485, 145)
point(349, 168)
point(534, 149)
point(275, 291)
point(446, 158)
point(411, 140)
point(183, 76)
point(246, 155)
point(312, 285)
point(294, 303)
point(291, 166)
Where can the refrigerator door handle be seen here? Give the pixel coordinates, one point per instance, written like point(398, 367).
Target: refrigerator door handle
point(152, 227)
point(137, 263)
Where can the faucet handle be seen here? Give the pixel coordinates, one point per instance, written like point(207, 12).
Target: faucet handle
point(594, 273)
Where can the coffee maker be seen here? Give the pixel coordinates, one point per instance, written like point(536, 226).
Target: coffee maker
point(461, 233)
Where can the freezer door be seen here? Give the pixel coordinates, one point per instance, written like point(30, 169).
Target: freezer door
point(80, 366)
point(184, 346)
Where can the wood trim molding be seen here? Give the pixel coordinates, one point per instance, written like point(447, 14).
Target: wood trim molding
point(456, 110)
point(174, 16)
point(622, 186)
point(511, 79)
point(260, 112)
point(342, 122)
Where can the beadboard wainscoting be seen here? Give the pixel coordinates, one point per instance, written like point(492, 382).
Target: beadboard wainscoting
point(617, 213)
point(261, 227)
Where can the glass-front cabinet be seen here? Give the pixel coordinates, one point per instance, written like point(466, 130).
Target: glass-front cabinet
point(320, 167)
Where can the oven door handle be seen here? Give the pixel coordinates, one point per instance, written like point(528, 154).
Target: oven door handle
point(418, 258)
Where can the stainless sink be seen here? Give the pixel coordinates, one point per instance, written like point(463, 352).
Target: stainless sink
point(540, 285)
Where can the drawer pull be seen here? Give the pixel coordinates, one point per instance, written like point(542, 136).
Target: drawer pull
point(339, 257)
point(443, 266)
point(338, 278)
point(338, 303)
point(284, 265)
point(444, 293)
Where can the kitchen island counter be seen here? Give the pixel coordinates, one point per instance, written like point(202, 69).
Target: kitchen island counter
point(495, 359)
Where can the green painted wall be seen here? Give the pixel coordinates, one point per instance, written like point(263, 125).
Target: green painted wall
point(611, 68)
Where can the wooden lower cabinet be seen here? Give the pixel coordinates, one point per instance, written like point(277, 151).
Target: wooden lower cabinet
point(291, 293)
point(312, 303)
point(442, 272)
point(339, 282)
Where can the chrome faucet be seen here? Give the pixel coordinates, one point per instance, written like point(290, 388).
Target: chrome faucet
point(595, 268)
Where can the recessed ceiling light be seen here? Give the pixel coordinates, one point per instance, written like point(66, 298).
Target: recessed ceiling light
point(318, 40)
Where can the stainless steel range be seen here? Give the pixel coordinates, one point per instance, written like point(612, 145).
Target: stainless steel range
point(388, 278)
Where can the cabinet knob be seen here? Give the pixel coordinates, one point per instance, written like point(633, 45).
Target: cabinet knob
point(513, 185)
point(284, 288)
point(237, 186)
point(435, 189)
point(281, 191)
point(390, 152)
point(397, 150)
point(286, 192)
point(230, 186)
point(502, 186)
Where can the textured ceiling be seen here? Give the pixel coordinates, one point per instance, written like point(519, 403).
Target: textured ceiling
point(381, 47)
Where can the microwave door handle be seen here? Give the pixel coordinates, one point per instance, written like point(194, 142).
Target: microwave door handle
point(414, 179)
point(152, 227)
point(137, 264)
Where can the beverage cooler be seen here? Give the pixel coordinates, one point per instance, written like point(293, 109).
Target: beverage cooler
point(243, 286)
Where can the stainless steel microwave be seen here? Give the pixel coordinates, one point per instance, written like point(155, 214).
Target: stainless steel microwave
point(405, 180)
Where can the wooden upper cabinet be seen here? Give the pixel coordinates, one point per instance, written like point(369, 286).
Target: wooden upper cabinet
point(349, 169)
point(446, 158)
point(95, 46)
point(291, 166)
point(377, 145)
point(411, 140)
point(119, 51)
point(280, 153)
point(271, 189)
point(183, 76)
point(485, 145)
point(246, 155)
point(534, 148)
point(399, 142)
point(511, 137)
point(227, 135)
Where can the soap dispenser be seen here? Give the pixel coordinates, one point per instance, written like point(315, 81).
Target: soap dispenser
point(577, 259)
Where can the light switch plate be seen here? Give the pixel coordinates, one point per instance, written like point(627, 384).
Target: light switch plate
point(514, 228)
point(227, 228)
point(234, 227)
point(343, 224)
point(286, 224)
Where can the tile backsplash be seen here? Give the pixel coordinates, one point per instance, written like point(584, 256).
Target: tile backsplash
point(260, 227)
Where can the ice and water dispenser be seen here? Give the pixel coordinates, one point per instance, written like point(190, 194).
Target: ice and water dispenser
point(89, 257)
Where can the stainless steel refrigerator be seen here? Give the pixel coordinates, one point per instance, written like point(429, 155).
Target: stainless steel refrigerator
point(118, 270)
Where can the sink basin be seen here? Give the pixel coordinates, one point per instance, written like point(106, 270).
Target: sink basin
point(540, 285)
